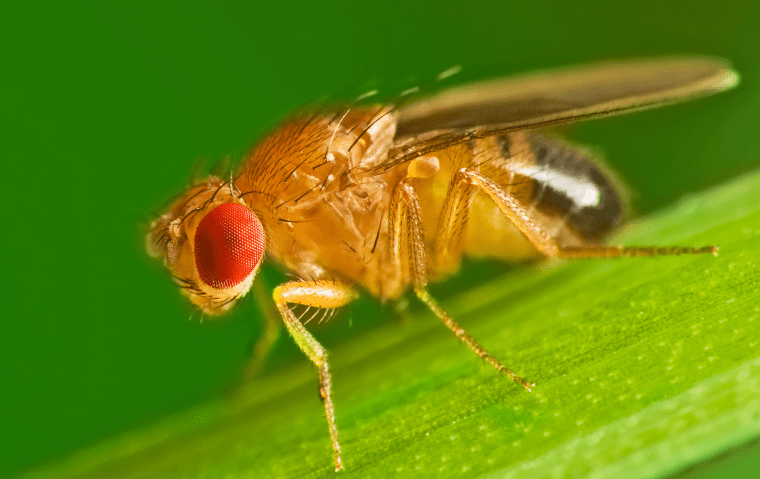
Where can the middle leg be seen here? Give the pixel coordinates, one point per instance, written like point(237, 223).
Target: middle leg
point(406, 220)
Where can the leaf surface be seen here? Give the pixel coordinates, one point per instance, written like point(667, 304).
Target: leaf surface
point(643, 366)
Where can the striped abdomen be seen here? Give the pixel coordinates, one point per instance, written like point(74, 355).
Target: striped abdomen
point(569, 186)
point(568, 195)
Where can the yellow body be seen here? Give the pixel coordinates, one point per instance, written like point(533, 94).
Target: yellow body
point(385, 198)
point(325, 208)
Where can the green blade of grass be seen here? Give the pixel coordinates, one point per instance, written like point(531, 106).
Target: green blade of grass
point(643, 366)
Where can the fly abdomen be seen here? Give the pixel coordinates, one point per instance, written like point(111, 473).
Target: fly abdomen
point(569, 185)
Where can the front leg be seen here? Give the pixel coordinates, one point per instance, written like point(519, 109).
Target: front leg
point(270, 332)
point(319, 294)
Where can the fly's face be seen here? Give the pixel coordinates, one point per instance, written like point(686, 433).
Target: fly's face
point(212, 244)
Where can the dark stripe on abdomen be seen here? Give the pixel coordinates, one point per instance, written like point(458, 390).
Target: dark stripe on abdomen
point(570, 185)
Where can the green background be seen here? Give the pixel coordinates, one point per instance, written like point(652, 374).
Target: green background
point(108, 105)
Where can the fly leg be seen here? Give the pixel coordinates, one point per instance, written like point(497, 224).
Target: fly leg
point(405, 220)
point(319, 294)
point(461, 196)
point(270, 331)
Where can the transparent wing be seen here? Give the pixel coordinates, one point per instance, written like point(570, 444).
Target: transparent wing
point(549, 98)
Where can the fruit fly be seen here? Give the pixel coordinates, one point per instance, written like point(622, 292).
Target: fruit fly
point(385, 198)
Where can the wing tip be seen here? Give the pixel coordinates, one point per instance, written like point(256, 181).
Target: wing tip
point(721, 75)
point(726, 79)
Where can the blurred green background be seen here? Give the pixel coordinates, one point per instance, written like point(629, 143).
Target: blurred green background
point(108, 105)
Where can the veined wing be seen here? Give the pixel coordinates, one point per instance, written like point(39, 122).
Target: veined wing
point(550, 98)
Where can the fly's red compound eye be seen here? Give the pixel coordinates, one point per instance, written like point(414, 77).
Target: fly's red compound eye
point(229, 243)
